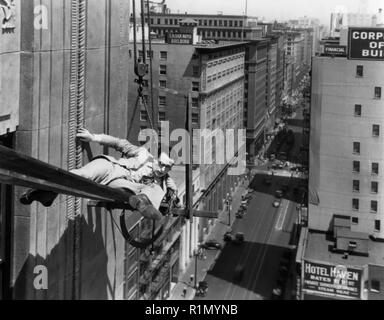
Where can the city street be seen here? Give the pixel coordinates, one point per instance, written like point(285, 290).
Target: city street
point(269, 238)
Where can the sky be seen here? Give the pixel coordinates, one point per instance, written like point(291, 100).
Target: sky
point(274, 9)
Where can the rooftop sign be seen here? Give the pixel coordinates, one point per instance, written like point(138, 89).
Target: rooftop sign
point(180, 38)
point(332, 280)
point(366, 44)
point(335, 50)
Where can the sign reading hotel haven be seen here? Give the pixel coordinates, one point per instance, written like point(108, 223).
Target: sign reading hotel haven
point(332, 280)
point(366, 43)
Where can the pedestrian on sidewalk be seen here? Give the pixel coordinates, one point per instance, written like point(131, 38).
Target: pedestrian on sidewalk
point(184, 292)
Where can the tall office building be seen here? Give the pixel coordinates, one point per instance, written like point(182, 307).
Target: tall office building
point(345, 213)
point(213, 73)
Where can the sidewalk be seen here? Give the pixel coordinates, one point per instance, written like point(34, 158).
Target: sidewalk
point(217, 233)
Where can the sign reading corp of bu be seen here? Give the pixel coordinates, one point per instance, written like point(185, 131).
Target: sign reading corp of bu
point(332, 280)
point(366, 44)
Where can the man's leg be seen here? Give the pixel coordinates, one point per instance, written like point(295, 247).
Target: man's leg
point(97, 170)
point(145, 199)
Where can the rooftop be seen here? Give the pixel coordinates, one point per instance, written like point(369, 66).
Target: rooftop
point(210, 45)
point(318, 249)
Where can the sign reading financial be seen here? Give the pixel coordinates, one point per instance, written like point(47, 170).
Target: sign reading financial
point(335, 50)
point(332, 280)
point(180, 38)
point(366, 43)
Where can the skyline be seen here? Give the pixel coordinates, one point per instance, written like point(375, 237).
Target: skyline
point(280, 10)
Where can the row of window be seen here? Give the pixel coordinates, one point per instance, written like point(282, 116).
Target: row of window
point(224, 73)
point(221, 34)
point(195, 85)
point(220, 23)
point(225, 60)
point(373, 207)
point(374, 167)
point(374, 186)
point(355, 220)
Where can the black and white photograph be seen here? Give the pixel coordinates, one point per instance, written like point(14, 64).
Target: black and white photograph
point(191, 155)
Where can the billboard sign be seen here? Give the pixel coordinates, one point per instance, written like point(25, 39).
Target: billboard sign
point(335, 280)
point(180, 38)
point(335, 50)
point(366, 44)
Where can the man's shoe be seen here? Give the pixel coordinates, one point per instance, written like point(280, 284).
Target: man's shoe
point(142, 204)
point(46, 198)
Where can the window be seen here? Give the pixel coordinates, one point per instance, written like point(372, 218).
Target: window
point(166, 21)
point(355, 204)
point(374, 205)
point(375, 168)
point(377, 225)
point(375, 130)
point(195, 103)
point(375, 286)
point(356, 186)
point(374, 187)
point(163, 69)
point(195, 86)
point(196, 71)
point(356, 166)
point(162, 84)
point(162, 116)
point(355, 220)
point(150, 54)
point(162, 101)
point(357, 110)
point(163, 55)
point(353, 244)
point(377, 92)
point(359, 71)
point(356, 147)
point(195, 118)
point(143, 116)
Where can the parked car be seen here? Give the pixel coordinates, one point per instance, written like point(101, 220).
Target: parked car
point(239, 273)
point(277, 293)
point(267, 181)
point(279, 194)
point(240, 214)
point(228, 236)
point(239, 238)
point(277, 204)
point(211, 245)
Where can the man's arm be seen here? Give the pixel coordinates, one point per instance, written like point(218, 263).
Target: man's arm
point(170, 184)
point(121, 145)
point(136, 156)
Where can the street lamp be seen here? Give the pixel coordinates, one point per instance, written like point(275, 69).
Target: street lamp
point(228, 202)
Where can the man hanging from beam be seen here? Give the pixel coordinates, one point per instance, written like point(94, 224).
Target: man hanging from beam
point(137, 172)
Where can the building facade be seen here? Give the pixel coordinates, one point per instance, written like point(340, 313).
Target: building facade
point(214, 76)
point(340, 250)
point(38, 105)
